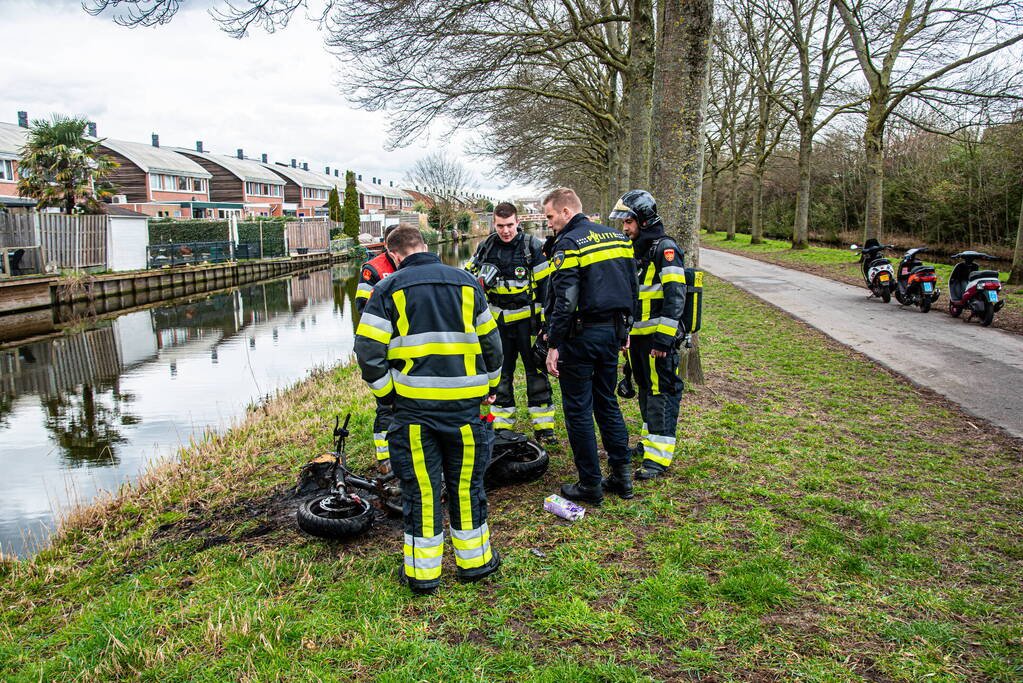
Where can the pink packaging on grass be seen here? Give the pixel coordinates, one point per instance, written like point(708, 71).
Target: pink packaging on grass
point(564, 508)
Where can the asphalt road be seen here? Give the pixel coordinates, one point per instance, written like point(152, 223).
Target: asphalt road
point(979, 368)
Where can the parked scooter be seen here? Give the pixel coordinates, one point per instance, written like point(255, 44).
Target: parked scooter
point(916, 282)
point(877, 271)
point(974, 290)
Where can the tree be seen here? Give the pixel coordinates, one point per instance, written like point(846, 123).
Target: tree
point(62, 167)
point(351, 208)
point(680, 102)
point(334, 211)
point(444, 180)
point(1016, 274)
point(935, 54)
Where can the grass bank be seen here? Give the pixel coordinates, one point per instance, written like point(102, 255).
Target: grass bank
point(843, 265)
point(826, 522)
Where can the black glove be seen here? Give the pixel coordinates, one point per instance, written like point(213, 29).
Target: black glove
point(539, 352)
point(625, 388)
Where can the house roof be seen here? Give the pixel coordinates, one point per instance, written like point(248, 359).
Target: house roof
point(393, 192)
point(247, 170)
point(11, 139)
point(301, 177)
point(156, 159)
point(115, 210)
point(368, 189)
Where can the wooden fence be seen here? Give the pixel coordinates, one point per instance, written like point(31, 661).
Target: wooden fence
point(67, 241)
point(309, 235)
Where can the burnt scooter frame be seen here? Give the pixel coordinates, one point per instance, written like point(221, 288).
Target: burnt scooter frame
point(916, 283)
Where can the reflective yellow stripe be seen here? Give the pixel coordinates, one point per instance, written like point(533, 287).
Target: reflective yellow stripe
point(471, 543)
point(605, 255)
point(436, 551)
point(374, 333)
point(437, 349)
point(486, 327)
point(440, 393)
point(672, 277)
point(422, 477)
point(384, 390)
point(468, 304)
point(509, 290)
point(362, 294)
point(654, 385)
point(399, 305)
point(468, 461)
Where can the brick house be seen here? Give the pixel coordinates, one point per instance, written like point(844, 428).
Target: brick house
point(157, 181)
point(11, 140)
point(241, 181)
point(304, 190)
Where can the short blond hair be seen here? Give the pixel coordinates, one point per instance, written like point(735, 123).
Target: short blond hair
point(563, 197)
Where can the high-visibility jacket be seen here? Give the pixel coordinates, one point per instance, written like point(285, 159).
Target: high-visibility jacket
point(593, 276)
point(428, 343)
point(522, 271)
point(373, 271)
point(662, 292)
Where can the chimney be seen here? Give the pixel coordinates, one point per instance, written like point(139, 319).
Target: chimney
point(23, 119)
point(92, 128)
point(327, 171)
point(263, 157)
point(358, 177)
point(294, 164)
point(241, 153)
point(305, 166)
point(198, 145)
point(156, 140)
point(392, 183)
point(336, 174)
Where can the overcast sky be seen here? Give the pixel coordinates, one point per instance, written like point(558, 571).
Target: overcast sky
point(188, 81)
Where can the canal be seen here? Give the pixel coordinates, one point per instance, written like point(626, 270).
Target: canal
point(87, 412)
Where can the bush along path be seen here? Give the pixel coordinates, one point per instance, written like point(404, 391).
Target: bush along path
point(826, 521)
point(843, 265)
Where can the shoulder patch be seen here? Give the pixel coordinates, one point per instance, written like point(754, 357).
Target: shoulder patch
point(669, 255)
point(367, 274)
point(559, 258)
point(520, 272)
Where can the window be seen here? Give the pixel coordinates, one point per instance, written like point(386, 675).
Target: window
point(183, 184)
point(7, 170)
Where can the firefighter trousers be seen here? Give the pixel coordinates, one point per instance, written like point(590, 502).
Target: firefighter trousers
point(517, 342)
point(429, 460)
point(381, 423)
point(660, 392)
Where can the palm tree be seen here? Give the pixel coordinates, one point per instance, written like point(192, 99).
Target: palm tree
point(61, 166)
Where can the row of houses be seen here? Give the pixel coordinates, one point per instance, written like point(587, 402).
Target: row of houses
point(195, 183)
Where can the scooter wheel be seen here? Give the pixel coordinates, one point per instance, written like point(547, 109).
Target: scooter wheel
point(527, 463)
point(988, 316)
point(954, 311)
point(925, 303)
point(886, 294)
point(330, 518)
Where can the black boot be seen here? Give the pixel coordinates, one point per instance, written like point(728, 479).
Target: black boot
point(474, 575)
point(545, 436)
point(417, 587)
point(649, 470)
point(620, 480)
point(583, 494)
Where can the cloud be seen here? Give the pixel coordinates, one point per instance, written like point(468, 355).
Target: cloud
point(189, 81)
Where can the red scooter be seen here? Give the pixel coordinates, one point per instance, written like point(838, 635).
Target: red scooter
point(916, 284)
point(974, 290)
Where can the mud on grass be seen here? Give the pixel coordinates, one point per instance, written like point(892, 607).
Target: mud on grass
point(804, 532)
point(842, 265)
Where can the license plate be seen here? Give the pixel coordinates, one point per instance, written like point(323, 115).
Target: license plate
point(992, 295)
point(884, 277)
point(927, 286)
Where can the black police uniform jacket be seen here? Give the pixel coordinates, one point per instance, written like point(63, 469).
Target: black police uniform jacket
point(427, 342)
point(593, 277)
point(521, 286)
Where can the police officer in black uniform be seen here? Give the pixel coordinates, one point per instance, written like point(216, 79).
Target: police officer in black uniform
point(516, 297)
point(592, 291)
point(655, 338)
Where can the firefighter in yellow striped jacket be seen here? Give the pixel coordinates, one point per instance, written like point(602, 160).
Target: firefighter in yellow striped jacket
point(428, 345)
point(653, 348)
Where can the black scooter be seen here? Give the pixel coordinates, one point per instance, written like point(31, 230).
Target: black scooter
point(916, 284)
point(974, 290)
point(877, 271)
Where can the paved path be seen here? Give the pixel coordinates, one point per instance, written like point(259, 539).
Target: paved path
point(979, 368)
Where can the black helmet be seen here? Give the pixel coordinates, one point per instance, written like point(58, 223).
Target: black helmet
point(637, 204)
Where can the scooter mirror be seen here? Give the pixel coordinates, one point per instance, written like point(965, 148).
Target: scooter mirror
point(854, 247)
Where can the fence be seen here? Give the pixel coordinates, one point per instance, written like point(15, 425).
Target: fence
point(306, 236)
point(56, 239)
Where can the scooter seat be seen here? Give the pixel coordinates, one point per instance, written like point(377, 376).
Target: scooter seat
point(920, 270)
point(978, 274)
point(878, 262)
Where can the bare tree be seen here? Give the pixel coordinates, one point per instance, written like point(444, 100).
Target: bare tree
point(445, 181)
point(639, 88)
point(680, 102)
point(937, 54)
point(1016, 274)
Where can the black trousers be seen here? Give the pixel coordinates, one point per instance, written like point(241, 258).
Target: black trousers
point(430, 460)
point(660, 392)
point(381, 423)
point(517, 342)
point(588, 364)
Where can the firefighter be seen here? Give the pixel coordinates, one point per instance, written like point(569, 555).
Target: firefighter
point(592, 290)
point(654, 343)
point(372, 272)
point(428, 347)
point(516, 301)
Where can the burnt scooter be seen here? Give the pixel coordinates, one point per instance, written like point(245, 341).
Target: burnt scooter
point(916, 284)
point(348, 509)
point(974, 290)
point(877, 271)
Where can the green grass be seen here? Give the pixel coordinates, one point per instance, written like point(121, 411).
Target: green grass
point(801, 535)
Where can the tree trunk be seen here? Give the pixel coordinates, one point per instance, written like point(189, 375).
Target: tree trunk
point(733, 202)
point(640, 96)
point(757, 220)
point(680, 99)
point(873, 142)
point(1016, 274)
point(801, 227)
point(712, 203)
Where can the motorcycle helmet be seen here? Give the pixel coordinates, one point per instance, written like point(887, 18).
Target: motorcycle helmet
point(639, 205)
point(539, 351)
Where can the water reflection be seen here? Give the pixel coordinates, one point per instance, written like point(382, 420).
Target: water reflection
point(87, 411)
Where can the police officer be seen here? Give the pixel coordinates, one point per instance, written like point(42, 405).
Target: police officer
point(653, 345)
point(429, 347)
point(516, 301)
point(592, 290)
point(372, 272)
